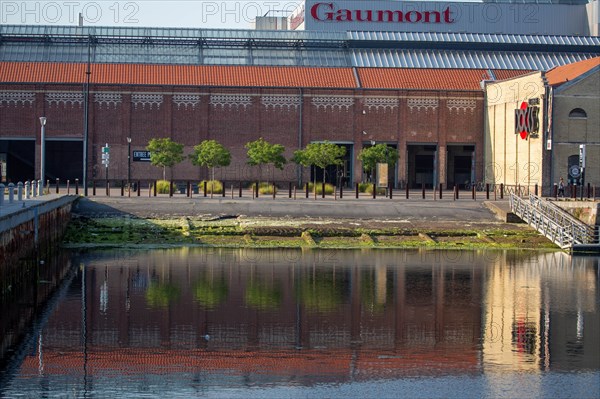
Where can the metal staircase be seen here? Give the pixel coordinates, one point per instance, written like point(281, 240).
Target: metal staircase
point(555, 223)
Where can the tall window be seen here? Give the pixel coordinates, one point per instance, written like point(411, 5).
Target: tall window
point(577, 113)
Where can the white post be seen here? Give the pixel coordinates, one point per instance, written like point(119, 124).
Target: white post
point(11, 193)
point(43, 155)
point(20, 191)
point(27, 190)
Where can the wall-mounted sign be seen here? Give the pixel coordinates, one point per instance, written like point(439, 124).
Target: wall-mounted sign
point(141, 156)
point(527, 122)
point(445, 16)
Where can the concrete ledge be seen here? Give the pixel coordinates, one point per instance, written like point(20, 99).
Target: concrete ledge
point(502, 211)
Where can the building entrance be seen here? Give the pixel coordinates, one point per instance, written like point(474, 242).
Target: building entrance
point(421, 168)
point(461, 170)
point(17, 158)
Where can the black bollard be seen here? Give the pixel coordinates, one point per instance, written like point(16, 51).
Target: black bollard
point(441, 188)
point(374, 191)
point(240, 193)
point(323, 190)
point(57, 182)
point(290, 190)
point(122, 188)
point(487, 191)
point(307, 190)
point(68, 187)
point(391, 190)
point(357, 191)
point(76, 186)
point(407, 191)
point(139, 188)
point(423, 190)
point(501, 190)
point(94, 187)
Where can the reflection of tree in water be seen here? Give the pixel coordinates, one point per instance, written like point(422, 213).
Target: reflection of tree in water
point(160, 295)
point(210, 291)
point(263, 295)
point(321, 290)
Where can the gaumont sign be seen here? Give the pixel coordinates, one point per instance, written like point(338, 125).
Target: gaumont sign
point(434, 16)
point(331, 12)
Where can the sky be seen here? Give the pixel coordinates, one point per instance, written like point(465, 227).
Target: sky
point(219, 14)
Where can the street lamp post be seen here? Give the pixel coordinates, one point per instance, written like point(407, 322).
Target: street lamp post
point(43, 154)
point(129, 166)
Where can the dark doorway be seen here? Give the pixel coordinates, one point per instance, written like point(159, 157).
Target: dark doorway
point(64, 160)
point(460, 166)
point(18, 160)
point(333, 174)
point(421, 165)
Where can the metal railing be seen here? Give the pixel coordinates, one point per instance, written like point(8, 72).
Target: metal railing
point(555, 223)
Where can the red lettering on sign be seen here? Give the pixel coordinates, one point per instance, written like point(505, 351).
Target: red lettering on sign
point(328, 12)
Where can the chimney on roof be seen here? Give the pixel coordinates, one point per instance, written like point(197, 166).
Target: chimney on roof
point(80, 24)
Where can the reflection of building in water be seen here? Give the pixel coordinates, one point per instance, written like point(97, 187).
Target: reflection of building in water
point(538, 313)
point(313, 316)
point(310, 318)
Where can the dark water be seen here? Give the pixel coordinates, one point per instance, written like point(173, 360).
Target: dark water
point(297, 324)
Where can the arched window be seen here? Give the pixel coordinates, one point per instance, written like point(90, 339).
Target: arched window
point(577, 113)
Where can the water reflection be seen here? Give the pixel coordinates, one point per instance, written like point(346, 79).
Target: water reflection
point(198, 319)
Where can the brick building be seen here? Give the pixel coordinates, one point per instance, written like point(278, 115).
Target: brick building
point(421, 112)
point(420, 93)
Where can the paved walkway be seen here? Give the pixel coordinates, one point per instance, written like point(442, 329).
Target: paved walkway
point(363, 208)
point(9, 208)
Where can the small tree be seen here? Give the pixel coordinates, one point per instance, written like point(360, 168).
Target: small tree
point(165, 153)
point(379, 153)
point(320, 155)
point(261, 152)
point(212, 154)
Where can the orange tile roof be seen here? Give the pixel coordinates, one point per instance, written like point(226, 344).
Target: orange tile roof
point(433, 78)
point(178, 75)
point(559, 75)
point(249, 76)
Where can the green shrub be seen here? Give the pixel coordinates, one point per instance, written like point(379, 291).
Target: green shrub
point(328, 188)
point(263, 188)
point(362, 187)
point(368, 188)
point(162, 186)
point(380, 190)
point(211, 185)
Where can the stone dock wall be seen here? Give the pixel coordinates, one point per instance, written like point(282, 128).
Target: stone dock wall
point(35, 227)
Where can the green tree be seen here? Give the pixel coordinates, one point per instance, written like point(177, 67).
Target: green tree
point(212, 154)
point(261, 152)
point(379, 153)
point(320, 155)
point(165, 153)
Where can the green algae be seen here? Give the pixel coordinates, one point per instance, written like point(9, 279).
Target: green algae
point(254, 233)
